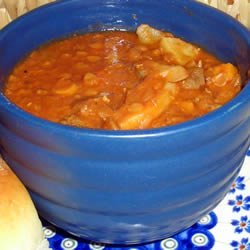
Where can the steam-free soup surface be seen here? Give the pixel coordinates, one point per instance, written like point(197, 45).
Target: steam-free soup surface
point(122, 80)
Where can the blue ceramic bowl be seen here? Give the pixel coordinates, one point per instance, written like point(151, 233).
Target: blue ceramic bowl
point(127, 187)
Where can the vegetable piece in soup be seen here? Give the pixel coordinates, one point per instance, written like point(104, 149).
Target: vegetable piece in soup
point(122, 80)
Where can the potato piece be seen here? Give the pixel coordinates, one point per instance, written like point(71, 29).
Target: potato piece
point(171, 73)
point(223, 74)
point(223, 81)
point(148, 35)
point(139, 111)
point(179, 51)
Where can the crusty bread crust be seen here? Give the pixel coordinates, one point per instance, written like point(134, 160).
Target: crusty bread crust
point(20, 227)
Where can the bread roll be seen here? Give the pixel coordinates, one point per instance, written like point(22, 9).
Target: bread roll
point(20, 227)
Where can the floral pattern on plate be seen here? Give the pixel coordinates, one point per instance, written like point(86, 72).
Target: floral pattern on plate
point(225, 228)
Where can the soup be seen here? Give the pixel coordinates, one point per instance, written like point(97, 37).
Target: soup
point(122, 80)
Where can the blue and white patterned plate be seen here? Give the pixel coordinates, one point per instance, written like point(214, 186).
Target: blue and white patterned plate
point(227, 227)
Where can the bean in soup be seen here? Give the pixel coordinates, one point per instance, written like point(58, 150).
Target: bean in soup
point(122, 80)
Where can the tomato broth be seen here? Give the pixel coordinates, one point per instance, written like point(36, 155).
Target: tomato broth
point(122, 80)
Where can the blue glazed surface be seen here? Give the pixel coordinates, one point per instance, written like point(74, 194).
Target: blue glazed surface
point(227, 227)
point(127, 187)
